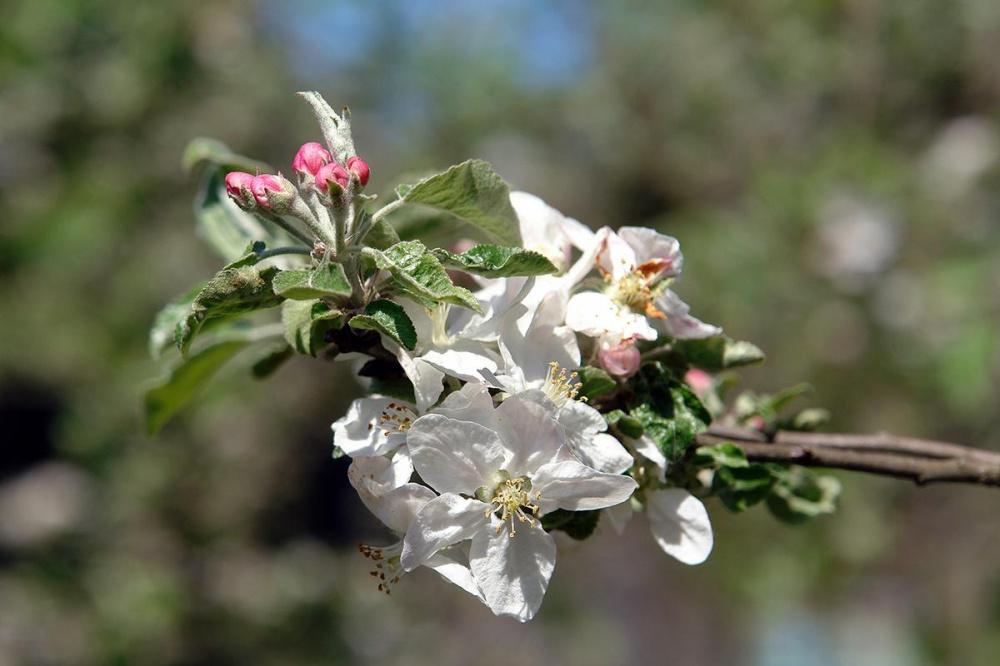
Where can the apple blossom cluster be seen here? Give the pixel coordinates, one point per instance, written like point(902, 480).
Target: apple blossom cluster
point(526, 381)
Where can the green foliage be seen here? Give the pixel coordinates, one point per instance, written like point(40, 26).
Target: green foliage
point(418, 274)
point(577, 524)
point(270, 362)
point(470, 193)
point(800, 494)
point(594, 382)
point(668, 410)
point(388, 318)
point(497, 261)
point(718, 353)
point(767, 405)
point(231, 293)
point(164, 400)
point(307, 322)
point(324, 281)
point(161, 335)
point(206, 153)
point(381, 235)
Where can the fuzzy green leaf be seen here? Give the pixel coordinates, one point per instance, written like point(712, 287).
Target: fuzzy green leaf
point(306, 324)
point(577, 524)
point(800, 494)
point(417, 273)
point(739, 488)
point(594, 382)
point(269, 363)
point(497, 261)
point(389, 319)
point(231, 293)
point(668, 410)
point(725, 454)
point(718, 353)
point(204, 152)
point(165, 399)
point(328, 281)
point(470, 192)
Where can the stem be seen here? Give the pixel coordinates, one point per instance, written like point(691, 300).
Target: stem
point(291, 249)
point(920, 460)
point(386, 209)
point(287, 226)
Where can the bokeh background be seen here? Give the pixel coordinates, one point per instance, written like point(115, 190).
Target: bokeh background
point(832, 169)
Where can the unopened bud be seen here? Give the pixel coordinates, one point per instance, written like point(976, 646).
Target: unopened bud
point(331, 178)
point(239, 188)
point(359, 168)
point(273, 193)
point(311, 158)
point(699, 381)
point(621, 360)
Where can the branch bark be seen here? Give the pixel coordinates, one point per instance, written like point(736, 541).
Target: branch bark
point(919, 460)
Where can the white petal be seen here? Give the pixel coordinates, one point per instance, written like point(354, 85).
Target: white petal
point(358, 432)
point(472, 402)
point(379, 474)
point(619, 516)
point(571, 485)
point(443, 521)
point(530, 355)
point(592, 313)
point(463, 360)
point(616, 256)
point(426, 379)
point(452, 564)
point(647, 448)
point(395, 507)
point(455, 456)
point(652, 245)
point(530, 433)
point(421, 318)
point(584, 426)
point(513, 572)
point(680, 524)
point(679, 324)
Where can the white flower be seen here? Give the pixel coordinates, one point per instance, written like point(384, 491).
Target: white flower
point(678, 520)
point(458, 346)
point(373, 426)
point(514, 461)
point(547, 231)
point(637, 265)
point(383, 487)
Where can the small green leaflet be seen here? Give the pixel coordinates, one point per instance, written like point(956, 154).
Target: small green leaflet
point(306, 323)
point(231, 293)
point(161, 335)
point(417, 273)
point(470, 192)
point(497, 261)
point(173, 392)
point(270, 362)
point(212, 153)
point(718, 353)
point(389, 319)
point(668, 410)
point(594, 382)
point(577, 524)
point(800, 494)
point(325, 281)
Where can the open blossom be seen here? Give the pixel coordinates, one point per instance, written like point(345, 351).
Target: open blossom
point(636, 303)
point(499, 471)
point(373, 426)
point(385, 490)
point(677, 519)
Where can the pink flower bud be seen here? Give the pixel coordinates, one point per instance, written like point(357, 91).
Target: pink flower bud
point(238, 186)
point(272, 192)
point(757, 422)
point(331, 178)
point(359, 168)
point(699, 381)
point(310, 158)
point(622, 360)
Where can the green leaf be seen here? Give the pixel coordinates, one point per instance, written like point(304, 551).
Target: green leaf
point(164, 400)
point(161, 335)
point(800, 495)
point(389, 319)
point(739, 488)
point(577, 524)
point(668, 410)
point(382, 235)
point(231, 293)
point(594, 382)
point(400, 388)
point(497, 261)
point(417, 273)
point(725, 454)
point(810, 419)
point(626, 425)
point(306, 324)
point(718, 353)
point(326, 281)
point(470, 192)
point(268, 364)
point(204, 152)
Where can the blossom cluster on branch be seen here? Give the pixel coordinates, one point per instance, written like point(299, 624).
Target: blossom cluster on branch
point(534, 377)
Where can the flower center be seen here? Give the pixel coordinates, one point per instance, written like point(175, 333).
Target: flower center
point(512, 498)
point(632, 291)
point(560, 386)
point(388, 569)
point(396, 418)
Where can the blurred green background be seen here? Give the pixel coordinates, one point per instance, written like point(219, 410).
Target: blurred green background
point(832, 170)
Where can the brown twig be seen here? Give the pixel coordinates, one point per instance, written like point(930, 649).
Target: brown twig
point(922, 461)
